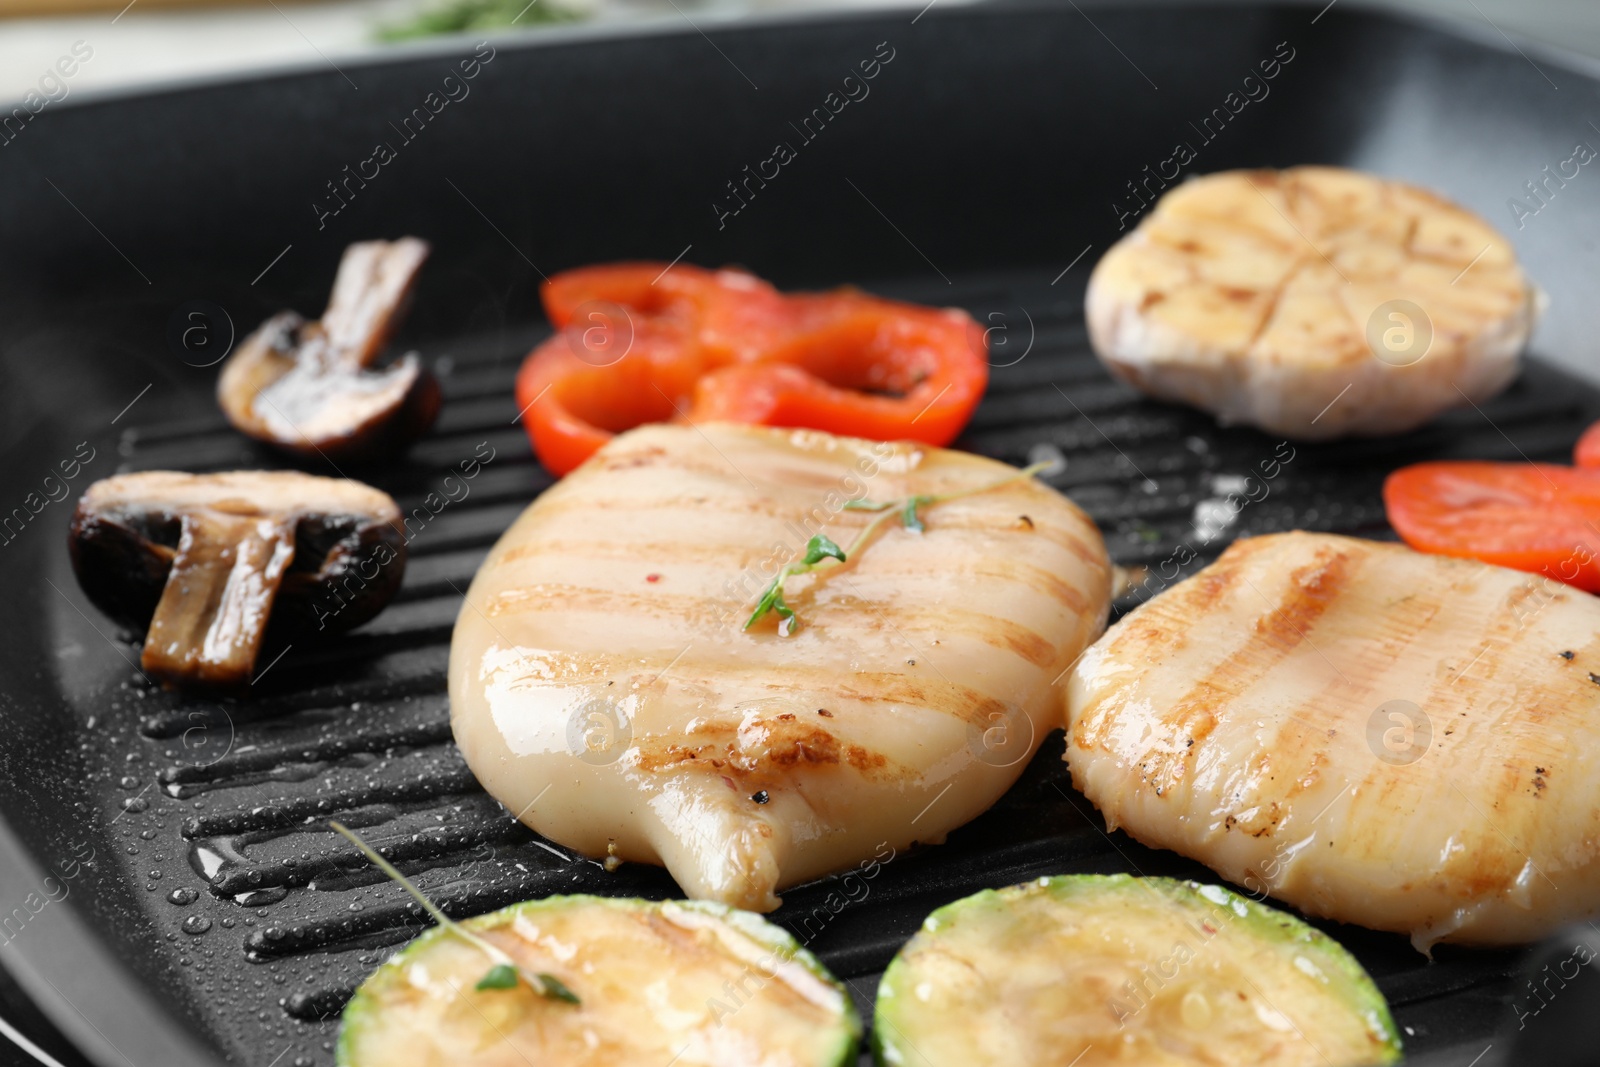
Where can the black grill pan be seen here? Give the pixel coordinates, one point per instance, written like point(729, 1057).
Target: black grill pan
point(987, 168)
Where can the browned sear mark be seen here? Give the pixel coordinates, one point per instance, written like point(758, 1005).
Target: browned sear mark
point(787, 744)
point(1314, 587)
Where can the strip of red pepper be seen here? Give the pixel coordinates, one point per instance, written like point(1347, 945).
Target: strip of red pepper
point(1539, 517)
point(1587, 454)
point(637, 343)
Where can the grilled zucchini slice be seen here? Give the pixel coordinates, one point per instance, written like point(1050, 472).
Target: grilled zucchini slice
point(1099, 969)
point(692, 983)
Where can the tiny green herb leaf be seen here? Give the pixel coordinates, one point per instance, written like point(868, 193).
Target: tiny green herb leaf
point(771, 600)
point(820, 548)
point(500, 976)
point(556, 989)
point(867, 505)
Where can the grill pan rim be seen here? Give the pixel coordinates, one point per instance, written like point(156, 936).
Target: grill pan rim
point(732, 24)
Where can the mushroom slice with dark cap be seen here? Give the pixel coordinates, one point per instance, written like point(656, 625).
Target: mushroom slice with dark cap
point(309, 387)
point(205, 561)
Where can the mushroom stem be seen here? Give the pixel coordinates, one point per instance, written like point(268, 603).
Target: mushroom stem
point(213, 612)
point(370, 294)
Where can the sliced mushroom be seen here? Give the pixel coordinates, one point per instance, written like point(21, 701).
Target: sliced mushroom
point(309, 387)
point(203, 562)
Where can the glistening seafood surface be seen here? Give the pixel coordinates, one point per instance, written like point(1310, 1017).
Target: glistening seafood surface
point(1377, 736)
point(603, 688)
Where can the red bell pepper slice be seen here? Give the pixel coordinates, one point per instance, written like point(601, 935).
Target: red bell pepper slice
point(1537, 517)
point(1587, 454)
point(637, 343)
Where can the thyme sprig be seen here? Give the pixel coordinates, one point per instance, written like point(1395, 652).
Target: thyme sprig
point(820, 549)
point(505, 973)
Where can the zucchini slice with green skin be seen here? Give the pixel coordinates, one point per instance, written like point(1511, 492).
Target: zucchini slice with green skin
point(693, 983)
point(1092, 970)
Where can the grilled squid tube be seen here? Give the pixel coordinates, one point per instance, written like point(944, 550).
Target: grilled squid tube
point(1373, 735)
point(604, 686)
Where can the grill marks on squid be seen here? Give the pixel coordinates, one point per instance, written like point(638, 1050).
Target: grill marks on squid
point(620, 598)
point(1403, 740)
